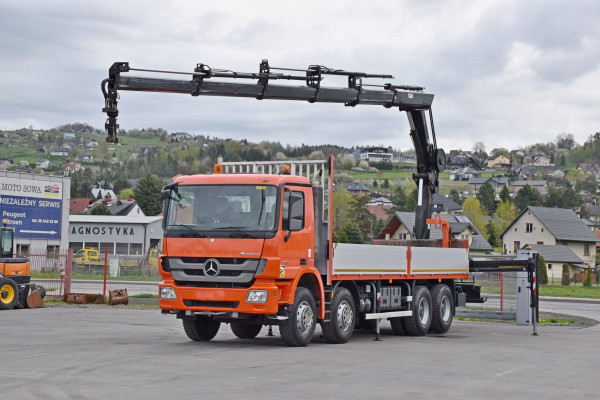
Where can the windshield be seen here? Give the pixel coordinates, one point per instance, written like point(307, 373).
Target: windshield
point(222, 207)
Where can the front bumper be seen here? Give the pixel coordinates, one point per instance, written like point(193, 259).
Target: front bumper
point(220, 299)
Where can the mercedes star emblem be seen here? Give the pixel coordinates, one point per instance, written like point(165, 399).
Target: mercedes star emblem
point(211, 267)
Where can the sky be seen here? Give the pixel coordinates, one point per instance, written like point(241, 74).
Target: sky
point(507, 73)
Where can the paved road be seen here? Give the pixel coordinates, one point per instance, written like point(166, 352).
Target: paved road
point(101, 352)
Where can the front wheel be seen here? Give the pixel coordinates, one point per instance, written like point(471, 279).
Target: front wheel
point(9, 294)
point(299, 328)
point(340, 327)
point(200, 327)
point(245, 330)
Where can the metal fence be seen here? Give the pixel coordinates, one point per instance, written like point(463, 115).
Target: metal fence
point(500, 291)
point(52, 271)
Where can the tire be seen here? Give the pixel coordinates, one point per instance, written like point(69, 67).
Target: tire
point(442, 308)
point(9, 294)
point(245, 330)
point(398, 326)
point(340, 327)
point(419, 323)
point(299, 328)
point(200, 327)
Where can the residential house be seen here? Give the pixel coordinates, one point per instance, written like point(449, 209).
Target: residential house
point(103, 193)
point(497, 183)
point(380, 201)
point(91, 144)
point(555, 257)
point(462, 159)
point(354, 188)
point(68, 135)
point(464, 174)
point(86, 157)
point(380, 211)
point(500, 161)
point(539, 185)
point(591, 169)
point(551, 226)
point(60, 151)
point(43, 164)
point(79, 205)
point(72, 167)
point(539, 160)
point(24, 163)
point(400, 226)
point(444, 205)
point(122, 208)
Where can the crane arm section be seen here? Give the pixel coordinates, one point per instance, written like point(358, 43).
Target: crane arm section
point(204, 81)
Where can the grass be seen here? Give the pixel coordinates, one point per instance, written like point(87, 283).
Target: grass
point(592, 292)
point(145, 296)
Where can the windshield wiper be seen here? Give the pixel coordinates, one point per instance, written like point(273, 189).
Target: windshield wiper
point(194, 231)
point(235, 228)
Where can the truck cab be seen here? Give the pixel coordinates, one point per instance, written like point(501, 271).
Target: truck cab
point(236, 244)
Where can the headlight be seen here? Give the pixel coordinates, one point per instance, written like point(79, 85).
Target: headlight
point(167, 293)
point(257, 296)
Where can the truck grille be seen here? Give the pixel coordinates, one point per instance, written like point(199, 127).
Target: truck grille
point(214, 270)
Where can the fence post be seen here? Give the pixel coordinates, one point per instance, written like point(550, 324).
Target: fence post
point(105, 265)
point(68, 271)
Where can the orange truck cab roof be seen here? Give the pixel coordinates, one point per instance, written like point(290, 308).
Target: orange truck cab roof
point(241, 179)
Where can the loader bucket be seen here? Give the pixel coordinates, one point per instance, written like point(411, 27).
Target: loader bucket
point(118, 296)
point(34, 300)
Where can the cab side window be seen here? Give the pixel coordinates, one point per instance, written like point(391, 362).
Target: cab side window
point(285, 225)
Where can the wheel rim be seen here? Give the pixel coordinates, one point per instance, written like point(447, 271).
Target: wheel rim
point(304, 317)
point(423, 311)
point(7, 294)
point(445, 308)
point(345, 316)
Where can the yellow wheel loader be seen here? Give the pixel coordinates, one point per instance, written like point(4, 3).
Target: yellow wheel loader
point(16, 289)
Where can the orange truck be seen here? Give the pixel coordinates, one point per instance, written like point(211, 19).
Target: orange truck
point(253, 250)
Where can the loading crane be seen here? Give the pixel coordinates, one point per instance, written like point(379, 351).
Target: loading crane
point(207, 81)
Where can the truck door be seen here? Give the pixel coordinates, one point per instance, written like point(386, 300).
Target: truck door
point(294, 252)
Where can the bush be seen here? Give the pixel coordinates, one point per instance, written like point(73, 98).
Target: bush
point(543, 272)
point(566, 279)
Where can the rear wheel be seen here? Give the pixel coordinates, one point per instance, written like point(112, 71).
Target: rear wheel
point(299, 328)
point(340, 327)
point(442, 309)
point(9, 294)
point(245, 330)
point(419, 322)
point(200, 327)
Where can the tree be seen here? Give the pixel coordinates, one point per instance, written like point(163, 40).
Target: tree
point(455, 196)
point(399, 199)
point(125, 194)
point(361, 215)
point(491, 235)
point(500, 151)
point(588, 279)
point(479, 151)
point(147, 194)
point(353, 233)
point(412, 200)
point(486, 197)
point(507, 213)
point(504, 194)
point(386, 183)
point(120, 184)
point(472, 209)
point(543, 272)
point(566, 277)
point(563, 160)
point(341, 208)
point(565, 141)
point(100, 209)
point(527, 196)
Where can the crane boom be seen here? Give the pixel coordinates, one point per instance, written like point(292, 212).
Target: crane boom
point(410, 99)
